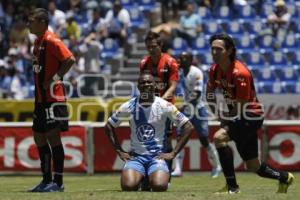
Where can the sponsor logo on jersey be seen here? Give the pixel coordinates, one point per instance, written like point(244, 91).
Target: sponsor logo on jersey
point(145, 132)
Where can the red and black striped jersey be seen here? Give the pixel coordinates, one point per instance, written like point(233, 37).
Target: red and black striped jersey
point(167, 69)
point(49, 52)
point(237, 84)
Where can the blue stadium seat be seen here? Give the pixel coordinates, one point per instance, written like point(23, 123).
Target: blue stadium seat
point(292, 87)
point(244, 44)
point(266, 74)
point(255, 26)
point(223, 14)
point(137, 17)
point(255, 62)
point(147, 5)
point(278, 58)
point(204, 13)
point(295, 57)
point(234, 28)
point(200, 45)
point(127, 4)
point(205, 58)
point(290, 43)
point(285, 74)
point(246, 13)
point(211, 27)
point(270, 87)
point(178, 46)
point(266, 44)
point(110, 48)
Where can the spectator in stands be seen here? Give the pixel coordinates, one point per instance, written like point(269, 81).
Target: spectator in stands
point(98, 25)
point(19, 33)
point(51, 61)
point(90, 51)
point(243, 119)
point(189, 24)
point(147, 156)
point(118, 19)
point(192, 81)
point(72, 29)
point(9, 16)
point(57, 18)
point(279, 20)
point(5, 80)
point(164, 69)
point(168, 6)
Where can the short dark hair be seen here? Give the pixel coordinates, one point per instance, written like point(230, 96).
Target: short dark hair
point(229, 43)
point(40, 14)
point(153, 36)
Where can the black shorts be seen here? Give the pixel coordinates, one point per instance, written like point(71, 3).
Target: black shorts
point(244, 134)
point(47, 116)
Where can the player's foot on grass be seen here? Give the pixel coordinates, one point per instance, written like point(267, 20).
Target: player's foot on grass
point(176, 173)
point(283, 187)
point(215, 172)
point(38, 188)
point(228, 190)
point(53, 187)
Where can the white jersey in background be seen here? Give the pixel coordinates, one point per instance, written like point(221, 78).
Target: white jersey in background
point(193, 82)
point(148, 124)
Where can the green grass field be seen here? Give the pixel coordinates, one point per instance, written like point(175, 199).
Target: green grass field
point(106, 186)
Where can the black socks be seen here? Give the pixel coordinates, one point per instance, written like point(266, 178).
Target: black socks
point(268, 172)
point(58, 162)
point(45, 157)
point(226, 160)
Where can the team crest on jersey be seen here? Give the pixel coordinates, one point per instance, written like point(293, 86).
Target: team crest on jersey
point(145, 132)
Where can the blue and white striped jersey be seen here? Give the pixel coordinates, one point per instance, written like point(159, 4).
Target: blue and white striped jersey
point(148, 124)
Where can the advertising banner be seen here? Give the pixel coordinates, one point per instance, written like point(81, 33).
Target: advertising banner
point(105, 158)
point(284, 147)
point(18, 152)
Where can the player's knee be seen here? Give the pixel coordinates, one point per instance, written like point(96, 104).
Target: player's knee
point(220, 138)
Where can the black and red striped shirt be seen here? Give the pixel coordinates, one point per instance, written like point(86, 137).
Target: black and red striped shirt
point(49, 52)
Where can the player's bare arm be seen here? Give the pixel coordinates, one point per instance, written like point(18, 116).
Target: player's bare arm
point(186, 133)
point(111, 134)
point(64, 68)
point(171, 90)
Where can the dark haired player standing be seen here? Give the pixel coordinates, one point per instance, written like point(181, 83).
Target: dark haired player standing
point(52, 60)
point(244, 118)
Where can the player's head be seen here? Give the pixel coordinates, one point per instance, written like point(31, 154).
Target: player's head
point(222, 48)
point(146, 85)
point(38, 20)
point(153, 43)
point(185, 60)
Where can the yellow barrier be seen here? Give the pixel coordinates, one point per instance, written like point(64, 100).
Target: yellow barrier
point(83, 109)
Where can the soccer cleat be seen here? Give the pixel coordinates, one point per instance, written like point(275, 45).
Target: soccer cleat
point(38, 188)
point(227, 190)
point(53, 187)
point(176, 173)
point(215, 172)
point(283, 187)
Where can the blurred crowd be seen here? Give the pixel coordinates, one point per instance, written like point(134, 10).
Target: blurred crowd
point(85, 25)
